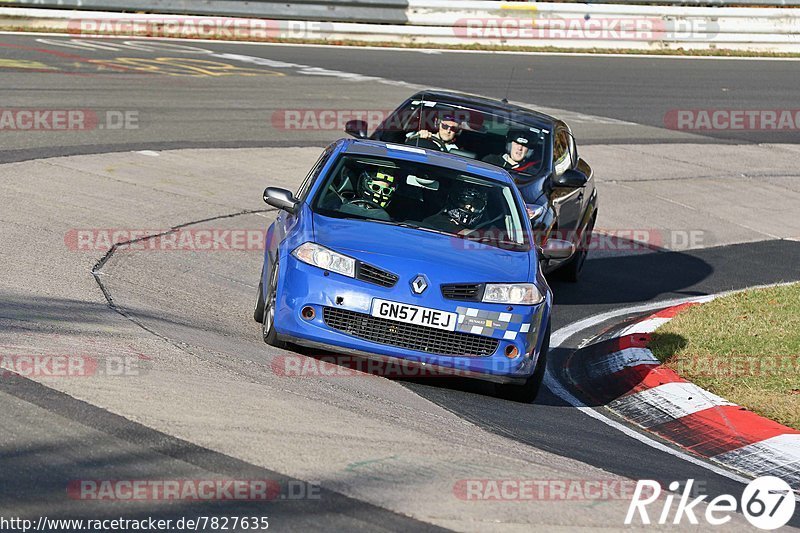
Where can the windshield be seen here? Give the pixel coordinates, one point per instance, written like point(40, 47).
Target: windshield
point(508, 140)
point(424, 197)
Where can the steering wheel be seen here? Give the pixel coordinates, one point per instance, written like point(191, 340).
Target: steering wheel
point(484, 225)
point(438, 142)
point(366, 204)
point(433, 143)
point(339, 189)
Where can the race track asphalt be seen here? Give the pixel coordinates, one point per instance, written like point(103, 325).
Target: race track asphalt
point(226, 111)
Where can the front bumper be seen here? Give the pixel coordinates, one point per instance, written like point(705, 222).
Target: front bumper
point(306, 286)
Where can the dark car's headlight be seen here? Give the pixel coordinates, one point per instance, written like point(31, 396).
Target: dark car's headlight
point(317, 255)
point(512, 293)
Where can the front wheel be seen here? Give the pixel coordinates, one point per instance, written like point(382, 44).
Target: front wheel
point(268, 319)
point(528, 391)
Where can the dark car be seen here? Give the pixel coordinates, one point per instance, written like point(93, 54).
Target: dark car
point(556, 184)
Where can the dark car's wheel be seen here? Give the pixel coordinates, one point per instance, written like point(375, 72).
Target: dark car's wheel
point(258, 312)
point(528, 391)
point(572, 270)
point(268, 316)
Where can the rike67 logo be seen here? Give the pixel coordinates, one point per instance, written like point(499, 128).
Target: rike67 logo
point(767, 503)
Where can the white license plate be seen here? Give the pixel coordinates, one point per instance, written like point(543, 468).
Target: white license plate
point(414, 314)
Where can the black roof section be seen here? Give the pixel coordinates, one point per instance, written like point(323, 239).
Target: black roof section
point(486, 104)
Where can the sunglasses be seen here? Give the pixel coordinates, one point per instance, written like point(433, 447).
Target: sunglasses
point(383, 190)
point(448, 127)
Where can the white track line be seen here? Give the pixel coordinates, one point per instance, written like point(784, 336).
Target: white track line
point(645, 326)
point(618, 361)
point(665, 403)
point(779, 451)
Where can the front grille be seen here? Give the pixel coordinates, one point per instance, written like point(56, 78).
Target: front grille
point(375, 275)
point(409, 336)
point(470, 292)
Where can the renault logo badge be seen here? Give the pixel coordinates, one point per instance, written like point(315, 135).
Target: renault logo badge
point(419, 284)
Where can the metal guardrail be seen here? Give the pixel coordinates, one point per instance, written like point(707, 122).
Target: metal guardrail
point(375, 11)
point(371, 11)
point(460, 23)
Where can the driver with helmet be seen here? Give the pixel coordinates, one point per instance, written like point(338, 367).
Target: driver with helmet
point(464, 209)
point(373, 193)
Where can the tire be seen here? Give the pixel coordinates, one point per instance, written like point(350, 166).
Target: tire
point(258, 312)
point(528, 391)
point(268, 332)
point(572, 270)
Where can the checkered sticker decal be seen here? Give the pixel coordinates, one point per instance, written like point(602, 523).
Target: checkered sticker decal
point(491, 323)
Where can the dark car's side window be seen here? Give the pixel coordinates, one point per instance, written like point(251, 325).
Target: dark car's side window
point(312, 176)
point(562, 159)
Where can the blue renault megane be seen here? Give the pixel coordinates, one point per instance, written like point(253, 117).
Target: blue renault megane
point(403, 254)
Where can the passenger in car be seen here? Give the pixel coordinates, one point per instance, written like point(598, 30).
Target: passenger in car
point(518, 148)
point(464, 209)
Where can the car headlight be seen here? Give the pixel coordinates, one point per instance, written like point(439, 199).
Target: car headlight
point(512, 293)
point(326, 259)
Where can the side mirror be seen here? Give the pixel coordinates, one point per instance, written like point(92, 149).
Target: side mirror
point(356, 128)
point(558, 249)
point(281, 198)
point(571, 178)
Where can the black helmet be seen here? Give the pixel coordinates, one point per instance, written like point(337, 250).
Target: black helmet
point(376, 186)
point(522, 137)
point(466, 206)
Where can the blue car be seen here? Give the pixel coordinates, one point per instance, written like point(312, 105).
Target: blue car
point(401, 254)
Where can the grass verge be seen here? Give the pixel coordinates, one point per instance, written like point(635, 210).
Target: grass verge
point(744, 347)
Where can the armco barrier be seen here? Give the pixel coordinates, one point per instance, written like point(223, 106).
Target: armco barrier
point(524, 24)
point(377, 11)
point(330, 10)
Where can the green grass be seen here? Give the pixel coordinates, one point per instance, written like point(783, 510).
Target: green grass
point(744, 347)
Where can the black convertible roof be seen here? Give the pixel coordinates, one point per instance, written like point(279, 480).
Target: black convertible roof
point(486, 104)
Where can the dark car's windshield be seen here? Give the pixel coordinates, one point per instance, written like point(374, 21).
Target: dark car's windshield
point(425, 197)
point(503, 139)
